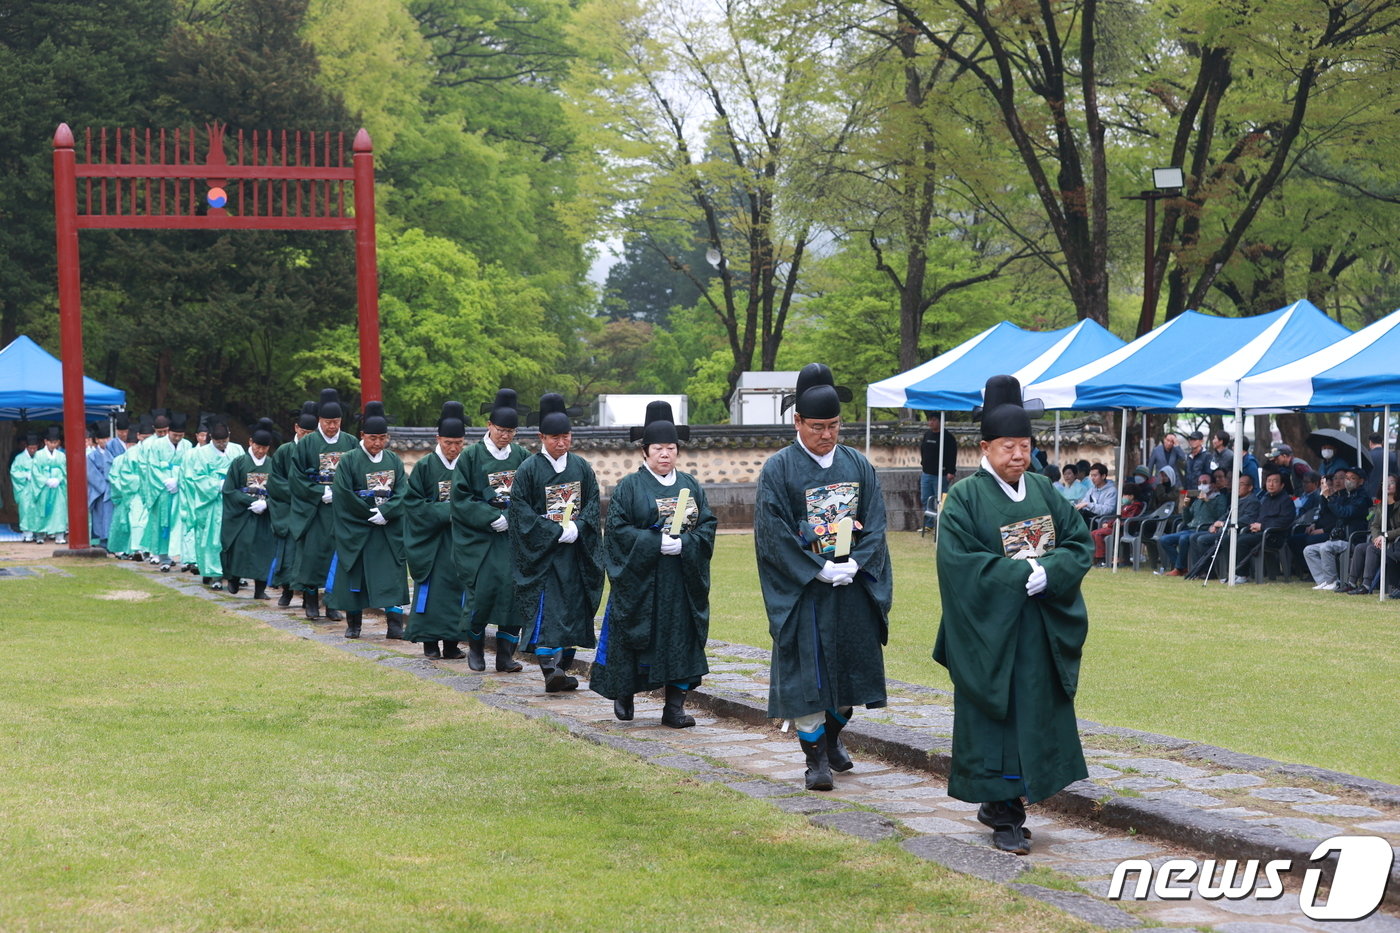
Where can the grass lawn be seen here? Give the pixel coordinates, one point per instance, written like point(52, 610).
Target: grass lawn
point(1275, 670)
point(168, 765)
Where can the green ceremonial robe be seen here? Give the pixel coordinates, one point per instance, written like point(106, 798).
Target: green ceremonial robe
point(279, 510)
point(249, 545)
point(827, 640)
point(436, 613)
point(128, 524)
point(482, 494)
point(557, 586)
point(312, 520)
point(160, 462)
point(1013, 658)
point(201, 496)
point(49, 504)
point(22, 482)
point(658, 614)
point(367, 569)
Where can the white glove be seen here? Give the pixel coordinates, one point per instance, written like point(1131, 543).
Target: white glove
point(171, 485)
point(670, 546)
point(326, 495)
point(258, 506)
point(836, 574)
point(500, 524)
point(1035, 583)
point(570, 534)
point(375, 518)
point(51, 482)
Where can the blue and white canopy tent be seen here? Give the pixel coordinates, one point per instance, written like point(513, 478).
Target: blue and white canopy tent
point(1360, 371)
point(953, 381)
point(31, 386)
point(1193, 362)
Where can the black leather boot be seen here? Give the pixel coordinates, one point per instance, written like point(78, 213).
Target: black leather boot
point(505, 656)
point(818, 767)
point(673, 712)
point(260, 589)
point(352, 623)
point(623, 708)
point(393, 622)
point(333, 614)
point(835, 750)
point(311, 605)
point(430, 650)
point(555, 679)
point(1007, 819)
point(476, 653)
point(233, 585)
point(285, 599)
point(452, 652)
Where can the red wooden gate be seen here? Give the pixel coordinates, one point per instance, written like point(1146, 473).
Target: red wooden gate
point(155, 180)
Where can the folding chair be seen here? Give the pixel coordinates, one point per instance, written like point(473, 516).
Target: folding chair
point(1136, 529)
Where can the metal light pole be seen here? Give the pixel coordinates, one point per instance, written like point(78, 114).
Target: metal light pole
point(1167, 183)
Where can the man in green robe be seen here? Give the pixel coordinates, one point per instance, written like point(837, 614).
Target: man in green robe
point(555, 547)
point(819, 530)
point(201, 493)
point(658, 615)
point(161, 456)
point(249, 546)
point(436, 612)
point(1011, 555)
point(280, 508)
point(124, 478)
point(182, 536)
point(22, 482)
point(367, 567)
point(480, 525)
point(314, 464)
point(49, 481)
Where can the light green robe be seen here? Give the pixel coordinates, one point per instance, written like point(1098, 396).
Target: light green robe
point(160, 461)
point(201, 497)
point(50, 503)
point(22, 481)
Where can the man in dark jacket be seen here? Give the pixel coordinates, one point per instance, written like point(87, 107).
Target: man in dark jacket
point(937, 448)
point(1203, 545)
point(1276, 512)
point(1345, 507)
point(1375, 454)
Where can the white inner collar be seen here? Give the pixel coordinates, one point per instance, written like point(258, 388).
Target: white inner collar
point(328, 440)
point(373, 458)
point(450, 464)
point(668, 480)
point(559, 464)
point(256, 461)
point(824, 461)
point(1014, 493)
point(500, 453)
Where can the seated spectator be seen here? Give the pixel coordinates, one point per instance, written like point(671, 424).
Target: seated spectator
point(1101, 499)
point(1276, 513)
point(1128, 508)
point(1331, 461)
point(1205, 507)
point(1164, 490)
point(1071, 486)
point(1342, 513)
point(1366, 556)
point(1203, 556)
point(1310, 498)
point(1375, 457)
point(1291, 469)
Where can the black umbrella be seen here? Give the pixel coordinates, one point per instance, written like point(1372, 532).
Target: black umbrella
point(1344, 443)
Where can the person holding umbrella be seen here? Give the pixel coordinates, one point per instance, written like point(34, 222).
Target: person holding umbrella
point(1336, 448)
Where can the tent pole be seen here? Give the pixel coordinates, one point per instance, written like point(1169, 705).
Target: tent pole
point(1385, 492)
point(1058, 465)
point(1122, 454)
point(867, 428)
point(938, 488)
point(1233, 515)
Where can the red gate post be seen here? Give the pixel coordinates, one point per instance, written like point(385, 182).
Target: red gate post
point(366, 270)
point(70, 328)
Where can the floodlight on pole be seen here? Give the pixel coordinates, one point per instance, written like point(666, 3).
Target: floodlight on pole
point(1168, 182)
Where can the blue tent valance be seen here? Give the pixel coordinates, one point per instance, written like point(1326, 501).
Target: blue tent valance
point(31, 386)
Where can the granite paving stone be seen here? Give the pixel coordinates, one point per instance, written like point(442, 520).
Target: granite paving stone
point(1337, 809)
point(1247, 926)
point(982, 862)
point(1138, 782)
point(889, 780)
point(727, 751)
point(934, 824)
point(1105, 849)
point(1291, 794)
point(1225, 782)
point(1381, 826)
point(1187, 798)
point(807, 804)
point(1238, 812)
point(1099, 772)
point(858, 823)
point(1092, 909)
point(1302, 828)
point(1161, 767)
point(762, 788)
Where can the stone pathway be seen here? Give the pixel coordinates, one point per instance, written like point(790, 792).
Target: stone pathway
point(1142, 790)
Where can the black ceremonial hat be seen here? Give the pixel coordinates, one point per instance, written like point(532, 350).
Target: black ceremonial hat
point(374, 421)
point(554, 416)
point(660, 427)
point(179, 421)
point(54, 434)
point(817, 395)
point(123, 421)
point(218, 430)
point(103, 429)
point(92, 429)
point(453, 420)
point(1003, 412)
point(306, 419)
point(31, 439)
point(263, 433)
point(330, 406)
point(504, 411)
point(146, 425)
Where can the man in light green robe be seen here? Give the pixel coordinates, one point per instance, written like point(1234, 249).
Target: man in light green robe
point(22, 482)
point(161, 456)
point(49, 481)
point(201, 492)
point(1011, 555)
point(480, 528)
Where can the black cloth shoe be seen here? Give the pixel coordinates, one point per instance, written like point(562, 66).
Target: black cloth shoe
point(233, 584)
point(393, 626)
point(334, 615)
point(285, 599)
point(452, 652)
point(818, 774)
point(430, 650)
point(260, 589)
point(1359, 591)
point(623, 708)
point(555, 679)
point(505, 656)
point(673, 713)
point(835, 750)
point(352, 623)
point(311, 605)
point(1007, 819)
point(476, 653)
